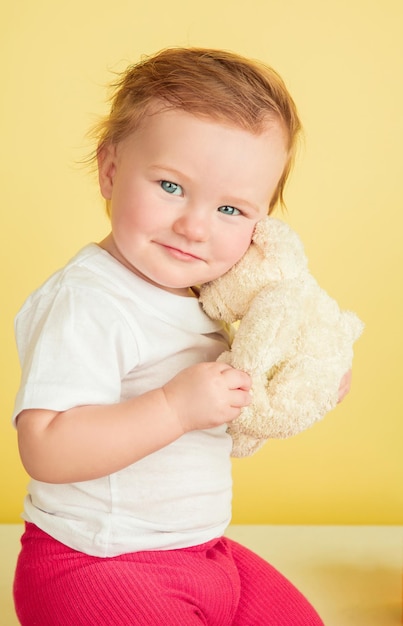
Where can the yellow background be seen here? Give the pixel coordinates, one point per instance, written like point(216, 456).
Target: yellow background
point(342, 60)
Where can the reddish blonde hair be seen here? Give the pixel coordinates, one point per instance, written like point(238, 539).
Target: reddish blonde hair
point(220, 85)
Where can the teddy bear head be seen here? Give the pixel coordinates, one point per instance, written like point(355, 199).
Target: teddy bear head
point(275, 253)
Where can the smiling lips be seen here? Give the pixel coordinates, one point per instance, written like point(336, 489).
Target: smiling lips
point(182, 255)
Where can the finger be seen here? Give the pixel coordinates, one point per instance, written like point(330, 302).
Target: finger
point(240, 398)
point(237, 379)
point(345, 385)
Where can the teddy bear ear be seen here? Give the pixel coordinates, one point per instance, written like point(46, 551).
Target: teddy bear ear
point(262, 227)
point(280, 245)
point(270, 230)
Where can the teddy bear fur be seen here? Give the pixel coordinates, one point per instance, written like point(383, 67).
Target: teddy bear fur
point(292, 338)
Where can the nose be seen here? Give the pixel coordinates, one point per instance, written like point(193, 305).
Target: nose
point(193, 225)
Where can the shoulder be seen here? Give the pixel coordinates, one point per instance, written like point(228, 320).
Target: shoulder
point(80, 302)
point(90, 279)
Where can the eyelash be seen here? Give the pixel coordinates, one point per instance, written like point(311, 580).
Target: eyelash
point(170, 188)
point(226, 206)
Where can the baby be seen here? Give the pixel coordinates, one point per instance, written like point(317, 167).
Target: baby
point(123, 410)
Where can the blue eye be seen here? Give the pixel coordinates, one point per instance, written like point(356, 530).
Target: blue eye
point(172, 188)
point(229, 210)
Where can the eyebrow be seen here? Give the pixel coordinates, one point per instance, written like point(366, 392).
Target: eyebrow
point(170, 170)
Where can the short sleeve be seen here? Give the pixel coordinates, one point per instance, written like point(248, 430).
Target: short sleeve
point(75, 347)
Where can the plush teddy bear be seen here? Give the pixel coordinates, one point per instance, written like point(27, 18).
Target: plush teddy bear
point(292, 338)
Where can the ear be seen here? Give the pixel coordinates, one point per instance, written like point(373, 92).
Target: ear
point(106, 169)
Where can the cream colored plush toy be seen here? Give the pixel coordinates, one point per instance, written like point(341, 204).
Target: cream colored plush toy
point(292, 338)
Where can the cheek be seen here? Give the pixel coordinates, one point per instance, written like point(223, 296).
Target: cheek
point(127, 214)
point(235, 246)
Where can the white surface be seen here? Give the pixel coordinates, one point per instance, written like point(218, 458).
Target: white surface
point(351, 574)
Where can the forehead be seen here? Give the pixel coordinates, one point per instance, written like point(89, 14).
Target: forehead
point(171, 127)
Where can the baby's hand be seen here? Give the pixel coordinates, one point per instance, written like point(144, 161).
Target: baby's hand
point(345, 385)
point(207, 395)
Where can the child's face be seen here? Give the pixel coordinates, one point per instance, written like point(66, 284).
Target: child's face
point(185, 194)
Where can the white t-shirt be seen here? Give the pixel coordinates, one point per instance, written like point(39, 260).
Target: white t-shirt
point(95, 333)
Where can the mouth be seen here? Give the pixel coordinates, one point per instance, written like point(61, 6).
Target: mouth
point(178, 253)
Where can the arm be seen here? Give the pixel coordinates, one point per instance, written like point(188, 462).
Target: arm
point(88, 442)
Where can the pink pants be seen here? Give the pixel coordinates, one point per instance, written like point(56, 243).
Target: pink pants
point(219, 583)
